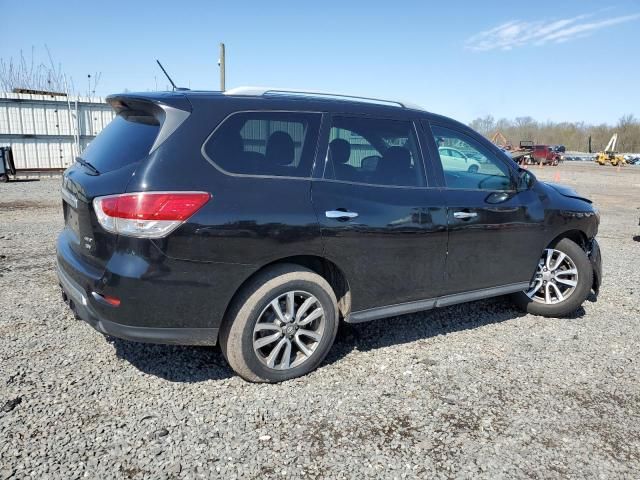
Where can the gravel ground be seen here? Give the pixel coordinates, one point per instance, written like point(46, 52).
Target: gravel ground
point(476, 390)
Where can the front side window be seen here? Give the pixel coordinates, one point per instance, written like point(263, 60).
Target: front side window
point(467, 164)
point(375, 151)
point(265, 143)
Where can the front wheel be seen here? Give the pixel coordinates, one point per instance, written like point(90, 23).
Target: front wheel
point(562, 281)
point(281, 326)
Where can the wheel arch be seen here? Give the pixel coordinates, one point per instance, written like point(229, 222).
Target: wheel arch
point(320, 265)
point(575, 235)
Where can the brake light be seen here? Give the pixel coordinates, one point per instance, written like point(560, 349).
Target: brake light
point(147, 214)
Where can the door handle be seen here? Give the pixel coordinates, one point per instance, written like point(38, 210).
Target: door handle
point(340, 214)
point(464, 215)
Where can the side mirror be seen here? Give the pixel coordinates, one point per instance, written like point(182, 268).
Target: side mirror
point(498, 197)
point(525, 180)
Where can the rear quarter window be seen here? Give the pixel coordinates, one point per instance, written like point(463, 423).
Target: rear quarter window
point(122, 142)
point(265, 143)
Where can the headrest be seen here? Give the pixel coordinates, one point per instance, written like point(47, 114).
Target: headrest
point(280, 149)
point(340, 151)
point(398, 158)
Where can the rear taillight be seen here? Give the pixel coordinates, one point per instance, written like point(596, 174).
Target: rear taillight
point(147, 214)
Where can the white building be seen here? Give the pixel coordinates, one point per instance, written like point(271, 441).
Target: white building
point(48, 131)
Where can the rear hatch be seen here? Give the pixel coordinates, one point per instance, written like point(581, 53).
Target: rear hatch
point(107, 165)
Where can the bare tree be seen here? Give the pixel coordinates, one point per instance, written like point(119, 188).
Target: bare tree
point(28, 73)
point(485, 125)
point(45, 75)
point(627, 132)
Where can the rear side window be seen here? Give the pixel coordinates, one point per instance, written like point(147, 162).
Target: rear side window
point(265, 143)
point(122, 142)
point(374, 150)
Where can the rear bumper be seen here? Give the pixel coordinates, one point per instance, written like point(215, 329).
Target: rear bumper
point(593, 250)
point(162, 300)
point(78, 301)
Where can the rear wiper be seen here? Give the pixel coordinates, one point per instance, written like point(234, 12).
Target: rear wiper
point(84, 163)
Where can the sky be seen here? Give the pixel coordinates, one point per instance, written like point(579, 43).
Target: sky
point(576, 60)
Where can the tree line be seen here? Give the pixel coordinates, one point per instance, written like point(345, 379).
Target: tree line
point(573, 135)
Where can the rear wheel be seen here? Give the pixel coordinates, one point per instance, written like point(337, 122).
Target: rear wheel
point(281, 326)
point(561, 283)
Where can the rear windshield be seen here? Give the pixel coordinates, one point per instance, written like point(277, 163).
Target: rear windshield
point(122, 142)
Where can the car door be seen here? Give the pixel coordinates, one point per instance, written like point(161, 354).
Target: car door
point(495, 231)
point(380, 221)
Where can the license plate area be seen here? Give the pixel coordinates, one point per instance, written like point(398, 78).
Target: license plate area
point(71, 219)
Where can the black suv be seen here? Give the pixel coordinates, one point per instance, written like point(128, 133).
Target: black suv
point(262, 217)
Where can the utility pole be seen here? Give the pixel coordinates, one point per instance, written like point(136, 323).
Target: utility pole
point(221, 64)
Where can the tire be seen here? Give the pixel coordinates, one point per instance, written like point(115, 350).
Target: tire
point(573, 296)
point(4, 178)
point(11, 167)
point(473, 169)
point(254, 304)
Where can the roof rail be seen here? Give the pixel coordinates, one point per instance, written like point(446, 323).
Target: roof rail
point(265, 91)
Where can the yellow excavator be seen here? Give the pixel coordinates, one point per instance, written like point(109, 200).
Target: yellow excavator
point(610, 155)
point(500, 140)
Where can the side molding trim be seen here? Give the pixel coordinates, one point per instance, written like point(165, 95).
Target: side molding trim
point(445, 301)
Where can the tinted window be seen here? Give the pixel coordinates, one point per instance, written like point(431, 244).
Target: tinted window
point(122, 142)
point(467, 164)
point(377, 151)
point(265, 143)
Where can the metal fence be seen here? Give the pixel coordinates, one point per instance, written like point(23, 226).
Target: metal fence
point(48, 132)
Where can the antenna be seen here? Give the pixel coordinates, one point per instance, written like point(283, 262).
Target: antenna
point(166, 74)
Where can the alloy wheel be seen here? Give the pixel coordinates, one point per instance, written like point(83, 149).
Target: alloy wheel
point(555, 279)
point(288, 330)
